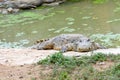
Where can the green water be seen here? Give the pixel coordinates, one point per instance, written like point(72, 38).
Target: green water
point(101, 22)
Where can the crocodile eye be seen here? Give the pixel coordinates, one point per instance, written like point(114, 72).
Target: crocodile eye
point(88, 40)
point(80, 40)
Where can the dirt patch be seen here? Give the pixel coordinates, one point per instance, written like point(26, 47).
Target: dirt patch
point(30, 56)
point(25, 72)
point(22, 56)
point(101, 66)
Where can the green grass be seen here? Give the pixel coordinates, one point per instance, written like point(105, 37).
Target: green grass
point(60, 59)
point(72, 68)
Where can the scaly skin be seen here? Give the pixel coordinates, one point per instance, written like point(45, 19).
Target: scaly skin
point(68, 42)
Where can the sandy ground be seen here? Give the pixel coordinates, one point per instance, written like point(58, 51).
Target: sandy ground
point(17, 64)
point(22, 56)
point(30, 56)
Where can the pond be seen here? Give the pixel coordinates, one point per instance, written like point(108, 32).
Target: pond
point(101, 22)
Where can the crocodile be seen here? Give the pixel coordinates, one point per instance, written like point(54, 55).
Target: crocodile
point(68, 42)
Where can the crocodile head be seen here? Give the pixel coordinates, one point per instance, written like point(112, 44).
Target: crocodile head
point(84, 44)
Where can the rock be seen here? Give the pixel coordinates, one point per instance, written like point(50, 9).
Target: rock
point(52, 2)
point(23, 4)
point(11, 6)
point(10, 9)
point(4, 11)
point(48, 1)
point(16, 10)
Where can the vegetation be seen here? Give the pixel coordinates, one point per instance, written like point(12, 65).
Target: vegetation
point(94, 1)
point(71, 68)
point(99, 1)
point(108, 40)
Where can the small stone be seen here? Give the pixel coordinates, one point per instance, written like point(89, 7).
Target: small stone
point(6, 61)
point(21, 65)
point(10, 9)
point(11, 75)
point(20, 77)
point(101, 63)
point(16, 10)
point(4, 11)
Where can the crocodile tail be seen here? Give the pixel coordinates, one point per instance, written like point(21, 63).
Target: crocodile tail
point(100, 46)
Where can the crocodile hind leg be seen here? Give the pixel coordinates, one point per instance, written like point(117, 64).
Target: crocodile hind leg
point(45, 45)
